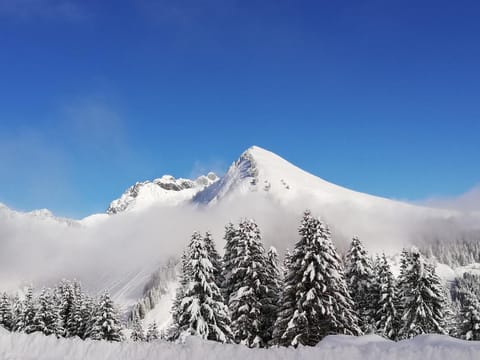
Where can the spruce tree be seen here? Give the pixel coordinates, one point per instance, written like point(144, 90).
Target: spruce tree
point(65, 298)
point(105, 324)
point(469, 324)
point(231, 253)
point(29, 311)
point(216, 260)
point(6, 315)
point(422, 299)
point(137, 331)
point(274, 288)
point(387, 305)
point(75, 325)
point(185, 276)
point(252, 300)
point(152, 332)
point(47, 316)
point(360, 281)
point(202, 310)
point(18, 319)
point(315, 301)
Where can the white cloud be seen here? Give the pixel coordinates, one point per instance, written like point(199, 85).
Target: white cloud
point(469, 201)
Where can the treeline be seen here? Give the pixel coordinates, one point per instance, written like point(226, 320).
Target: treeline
point(246, 297)
point(64, 311)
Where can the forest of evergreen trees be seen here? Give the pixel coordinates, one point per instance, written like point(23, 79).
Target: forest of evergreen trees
point(248, 297)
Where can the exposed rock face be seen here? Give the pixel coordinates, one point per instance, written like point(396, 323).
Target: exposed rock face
point(166, 190)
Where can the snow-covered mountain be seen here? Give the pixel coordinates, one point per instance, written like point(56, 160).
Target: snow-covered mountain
point(152, 221)
point(166, 190)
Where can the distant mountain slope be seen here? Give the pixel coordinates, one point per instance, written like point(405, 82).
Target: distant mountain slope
point(166, 190)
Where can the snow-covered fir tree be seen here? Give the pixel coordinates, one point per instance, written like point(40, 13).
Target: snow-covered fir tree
point(18, 319)
point(230, 253)
point(387, 305)
point(215, 258)
point(422, 299)
point(65, 298)
point(47, 316)
point(176, 311)
point(315, 301)
point(252, 301)
point(6, 316)
point(274, 287)
point(469, 318)
point(287, 259)
point(361, 283)
point(29, 311)
point(202, 311)
point(105, 323)
point(76, 323)
point(137, 333)
point(152, 332)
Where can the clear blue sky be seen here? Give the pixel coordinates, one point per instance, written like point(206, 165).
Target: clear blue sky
point(379, 96)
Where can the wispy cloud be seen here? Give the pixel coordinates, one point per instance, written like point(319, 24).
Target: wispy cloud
point(469, 201)
point(66, 10)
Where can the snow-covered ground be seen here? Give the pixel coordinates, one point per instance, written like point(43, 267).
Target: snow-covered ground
point(426, 347)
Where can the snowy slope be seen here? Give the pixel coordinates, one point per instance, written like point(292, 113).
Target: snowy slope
point(15, 346)
point(165, 190)
point(120, 252)
point(260, 170)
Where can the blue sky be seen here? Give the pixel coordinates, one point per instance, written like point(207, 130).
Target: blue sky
point(378, 96)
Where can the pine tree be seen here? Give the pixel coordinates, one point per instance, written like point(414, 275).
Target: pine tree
point(274, 286)
point(216, 260)
point(47, 316)
point(152, 332)
point(315, 301)
point(469, 327)
point(252, 303)
point(105, 324)
point(422, 299)
point(6, 316)
point(65, 298)
point(137, 331)
point(18, 317)
point(202, 311)
point(287, 260)
point(231, 253)
point(173, 332)
point(29, 311)
point(360, 281)
point(387, 313)
point(75, 325)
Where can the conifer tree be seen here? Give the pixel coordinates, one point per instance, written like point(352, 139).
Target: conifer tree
point(47, 316)
point(274, 286)
point(360, 281)
point(387, 313)
point(105, 324)
point(231, 253)
point(29, 311)
point(65, 298)
point(137, 331)
point(422, 299)
point(202, 310)
point(18, 318)
point(216, 260)
point(252, 300)
point(469, 326)
point(6, 316)
point(315, 301)
point(152, 332)
point(185, 276)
